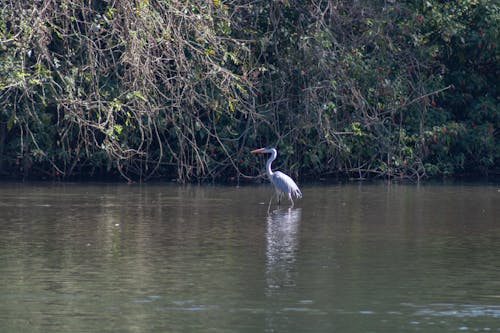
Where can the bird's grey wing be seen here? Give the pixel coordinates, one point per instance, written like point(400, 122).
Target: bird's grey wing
point(285, 184)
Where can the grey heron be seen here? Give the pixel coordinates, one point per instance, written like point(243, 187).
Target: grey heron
point(283, 184)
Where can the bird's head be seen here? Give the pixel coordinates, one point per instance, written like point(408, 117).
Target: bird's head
point(263, 150)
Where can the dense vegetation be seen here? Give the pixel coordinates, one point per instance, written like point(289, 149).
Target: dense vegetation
point(183, 90)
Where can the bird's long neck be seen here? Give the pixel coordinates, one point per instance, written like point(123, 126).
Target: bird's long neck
point(269, 171)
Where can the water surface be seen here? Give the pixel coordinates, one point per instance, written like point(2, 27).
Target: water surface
point(161, 258)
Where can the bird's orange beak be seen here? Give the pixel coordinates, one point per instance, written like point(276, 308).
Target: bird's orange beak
point(256, 151)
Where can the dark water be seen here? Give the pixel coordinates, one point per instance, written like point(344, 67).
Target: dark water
point(160, 258)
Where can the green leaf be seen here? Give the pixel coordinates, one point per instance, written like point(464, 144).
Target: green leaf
point(10, 123)
point(118, 129)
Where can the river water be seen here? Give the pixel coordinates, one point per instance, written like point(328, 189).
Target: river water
point(163, 258)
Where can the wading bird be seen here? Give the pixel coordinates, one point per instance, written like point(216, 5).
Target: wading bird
point(283, 184)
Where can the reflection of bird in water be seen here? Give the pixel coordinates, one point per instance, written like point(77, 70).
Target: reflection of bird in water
point(281, 247)
point(283, 184)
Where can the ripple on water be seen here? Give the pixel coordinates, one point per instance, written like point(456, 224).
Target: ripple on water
point(459, 310)
point(468, 313)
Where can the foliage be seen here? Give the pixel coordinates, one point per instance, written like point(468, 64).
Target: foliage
point(183, 89)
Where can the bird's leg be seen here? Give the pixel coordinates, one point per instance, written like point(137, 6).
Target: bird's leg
point(291, 200)
point(278, 194)
point(269, 206)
